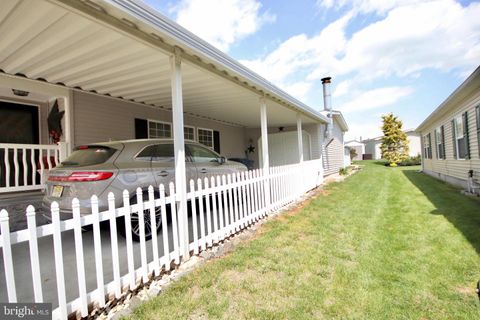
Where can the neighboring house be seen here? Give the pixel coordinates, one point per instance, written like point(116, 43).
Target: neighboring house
point(333, 149)
point(451, 135)
point(120, 70)
point(372, 146)
point(359, 148)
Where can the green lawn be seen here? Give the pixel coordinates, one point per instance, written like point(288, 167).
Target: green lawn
point(387, 243)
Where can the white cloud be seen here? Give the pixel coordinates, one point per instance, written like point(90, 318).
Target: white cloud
point(364, 130)
point(221, 22)
point(342, 88)
point(301, 53)
point(376, 98)
point(408, 39)
point(364, 6)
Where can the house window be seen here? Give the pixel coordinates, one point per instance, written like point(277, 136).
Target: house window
point(477, 111)
point(205, 137)
point(157, 129)
point(440, 143)
point(459, 138)
point(427, 148)
point(189, 133)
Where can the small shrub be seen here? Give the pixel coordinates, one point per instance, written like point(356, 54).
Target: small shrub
point(353, 154)
point(343, 171)
point(411, 161)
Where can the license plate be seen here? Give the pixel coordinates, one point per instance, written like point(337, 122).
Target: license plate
point(57, 191)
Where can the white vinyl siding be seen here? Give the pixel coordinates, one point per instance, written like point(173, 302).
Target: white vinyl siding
point(333, 154)
point(115, 120)
point(477, 117)
point(452, 167)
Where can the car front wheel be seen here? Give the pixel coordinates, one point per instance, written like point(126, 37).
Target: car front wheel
point(135, 221)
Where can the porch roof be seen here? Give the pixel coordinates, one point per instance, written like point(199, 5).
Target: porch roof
point(121, 48)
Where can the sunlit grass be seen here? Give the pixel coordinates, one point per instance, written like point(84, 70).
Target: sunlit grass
point(387, 243)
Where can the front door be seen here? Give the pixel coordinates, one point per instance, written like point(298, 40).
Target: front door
point(18, 123)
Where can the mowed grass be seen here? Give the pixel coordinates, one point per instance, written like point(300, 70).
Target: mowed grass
point(387, 243)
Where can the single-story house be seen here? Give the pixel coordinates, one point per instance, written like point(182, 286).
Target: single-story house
point(111, 70)
point(77, 72)
point(359, 148)
point(372, 146)
point(451, 135)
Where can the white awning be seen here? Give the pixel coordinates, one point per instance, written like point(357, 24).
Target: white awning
point(121, 48)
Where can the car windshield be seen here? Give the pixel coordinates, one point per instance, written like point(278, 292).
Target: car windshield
point(87, 156)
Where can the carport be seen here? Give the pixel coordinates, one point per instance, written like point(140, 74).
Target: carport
point(126, 51)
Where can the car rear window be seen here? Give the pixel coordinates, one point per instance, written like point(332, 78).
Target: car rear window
point(88, 156)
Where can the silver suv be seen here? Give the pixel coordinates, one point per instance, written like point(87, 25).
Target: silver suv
point(100, 168)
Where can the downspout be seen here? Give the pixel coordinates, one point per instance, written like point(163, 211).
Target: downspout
point(327, 106)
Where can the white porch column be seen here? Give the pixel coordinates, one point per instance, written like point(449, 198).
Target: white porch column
point(69, 133)
point(265, 158)
point(179, 148)
point(300, 138)
point(320, 141)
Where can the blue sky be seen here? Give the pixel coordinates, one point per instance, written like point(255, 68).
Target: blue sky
point(399, 56)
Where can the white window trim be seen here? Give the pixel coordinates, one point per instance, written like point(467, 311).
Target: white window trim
point(426, 146)
point(194, 132)
point(439, 141)
point(162, 122)
point(458, 137)
point(198, 138)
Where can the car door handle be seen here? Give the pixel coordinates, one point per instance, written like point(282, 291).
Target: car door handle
point(163, 174)
point(203, 170)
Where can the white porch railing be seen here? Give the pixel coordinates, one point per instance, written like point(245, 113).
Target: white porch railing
point(108, 265)
point(23, 166)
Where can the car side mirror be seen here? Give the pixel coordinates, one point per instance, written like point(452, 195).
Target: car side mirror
point(221, 160)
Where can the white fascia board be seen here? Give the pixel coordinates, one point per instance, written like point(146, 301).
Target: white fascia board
point(339, 117)
point(187, 40)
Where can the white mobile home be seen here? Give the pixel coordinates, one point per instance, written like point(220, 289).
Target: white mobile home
point(372, 146)
point(116, 71)
point(450, 135)
point(359, 148)
point(77, 72)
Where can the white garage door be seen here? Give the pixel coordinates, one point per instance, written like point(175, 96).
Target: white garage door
point(283, 148)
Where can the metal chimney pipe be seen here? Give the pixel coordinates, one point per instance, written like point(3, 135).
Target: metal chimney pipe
point(327, 104)
point(327, 97)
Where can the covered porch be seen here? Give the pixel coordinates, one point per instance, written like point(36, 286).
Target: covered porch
point(118, 70)
point(109, 71)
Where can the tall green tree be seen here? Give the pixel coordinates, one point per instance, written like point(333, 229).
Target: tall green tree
point(394, 143)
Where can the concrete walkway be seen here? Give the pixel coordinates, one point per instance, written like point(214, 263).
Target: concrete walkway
point(16, 205)
point(21, 259)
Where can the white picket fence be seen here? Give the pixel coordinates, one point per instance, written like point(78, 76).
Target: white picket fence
point(241, 200)
point(23, 166)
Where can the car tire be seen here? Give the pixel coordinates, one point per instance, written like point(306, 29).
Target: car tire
point(134, 220)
